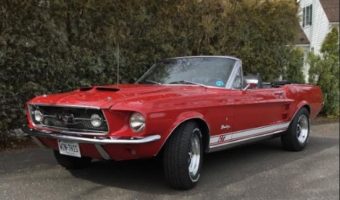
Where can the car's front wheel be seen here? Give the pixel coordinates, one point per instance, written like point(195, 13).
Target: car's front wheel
point(70, 162)
point(296, 137)
point(183, 155)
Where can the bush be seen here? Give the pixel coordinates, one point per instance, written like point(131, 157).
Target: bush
point(293, 69)
point(51, 46)
point(324, 71)
point(3, 135)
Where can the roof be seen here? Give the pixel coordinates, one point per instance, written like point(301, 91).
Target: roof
point(331, 8)
point(301, 37)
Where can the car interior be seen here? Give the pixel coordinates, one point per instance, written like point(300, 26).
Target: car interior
point(255, 81)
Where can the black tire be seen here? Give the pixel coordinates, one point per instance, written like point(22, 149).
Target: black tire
point(179, 153)
point(292, 139)
point(70, 162)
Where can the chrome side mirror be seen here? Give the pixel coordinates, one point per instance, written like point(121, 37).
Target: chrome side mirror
point(250, 83)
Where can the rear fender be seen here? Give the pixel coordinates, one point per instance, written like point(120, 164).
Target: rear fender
point(298, 107)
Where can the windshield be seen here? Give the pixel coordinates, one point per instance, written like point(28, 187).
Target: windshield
point(209, 71)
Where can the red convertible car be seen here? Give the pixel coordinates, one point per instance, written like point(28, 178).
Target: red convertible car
point(181, 108)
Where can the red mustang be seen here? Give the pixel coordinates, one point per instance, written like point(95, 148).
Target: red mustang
point(180, 108)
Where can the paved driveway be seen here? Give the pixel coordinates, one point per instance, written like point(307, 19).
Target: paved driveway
point(257, 171)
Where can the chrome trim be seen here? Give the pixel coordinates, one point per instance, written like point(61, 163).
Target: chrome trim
point(195, 155)
point(302, 129)
point(238, 136)
point(65, 105)
point(76, 118)
point(255, 134)
point(190, 82)
point(56, 135)
point(205, 86)
point(252, 81)
point(232, 76)
point(75, 131)
point(243, 141)
point(102, 152)
point(64, 130)
point(246, 88)
point(204, 56)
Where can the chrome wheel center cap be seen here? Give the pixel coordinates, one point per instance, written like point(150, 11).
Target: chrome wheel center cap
point(194, 156)
point(302, 129)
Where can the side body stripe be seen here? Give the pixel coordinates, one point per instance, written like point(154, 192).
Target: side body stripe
point(233, 137)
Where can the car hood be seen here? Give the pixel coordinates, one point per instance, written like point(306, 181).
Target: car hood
point(131, 95)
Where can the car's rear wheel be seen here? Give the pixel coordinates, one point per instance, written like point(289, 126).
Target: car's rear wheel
point(70, 162)
point(296, 137)
point(183, 155)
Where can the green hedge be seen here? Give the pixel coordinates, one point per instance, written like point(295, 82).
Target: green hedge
point(294, 66)
point(51, 46)
point(324, 71)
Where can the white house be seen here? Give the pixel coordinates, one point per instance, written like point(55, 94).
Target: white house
point(318, 17)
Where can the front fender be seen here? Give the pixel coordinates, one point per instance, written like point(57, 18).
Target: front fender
point(182, 118)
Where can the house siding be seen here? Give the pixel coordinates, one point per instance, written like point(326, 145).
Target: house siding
point(316, 33)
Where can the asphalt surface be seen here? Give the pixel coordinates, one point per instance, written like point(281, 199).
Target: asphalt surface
point(257, 171)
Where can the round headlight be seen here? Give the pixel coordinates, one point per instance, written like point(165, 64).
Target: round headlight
point(137, 122)
point(96, 120)
point(38, 116)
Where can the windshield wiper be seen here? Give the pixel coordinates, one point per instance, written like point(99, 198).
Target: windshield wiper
point(186, 82)
point(151, 81)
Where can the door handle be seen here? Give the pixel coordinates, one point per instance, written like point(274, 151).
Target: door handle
point(278, 93)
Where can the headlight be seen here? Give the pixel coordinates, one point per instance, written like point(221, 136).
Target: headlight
point(38, 116)
point(96, 120)
point(137, 122)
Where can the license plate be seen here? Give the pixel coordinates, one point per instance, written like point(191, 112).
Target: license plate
point(69, 148)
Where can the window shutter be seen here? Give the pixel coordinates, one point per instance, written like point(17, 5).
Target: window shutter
point(311, 15)
point(304, 17)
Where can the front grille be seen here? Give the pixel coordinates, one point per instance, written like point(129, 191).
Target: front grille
point(71, 119)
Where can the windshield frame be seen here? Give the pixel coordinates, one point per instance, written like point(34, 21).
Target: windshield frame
point(237, 65)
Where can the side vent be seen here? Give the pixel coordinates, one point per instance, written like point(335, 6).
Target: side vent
point(286, 111)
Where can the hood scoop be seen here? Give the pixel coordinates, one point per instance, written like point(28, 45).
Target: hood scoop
point(108, 89)
point(83, 89)
point(99, 88)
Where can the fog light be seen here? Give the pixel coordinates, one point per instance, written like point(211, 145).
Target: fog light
point(96, 120)
point(38, 116)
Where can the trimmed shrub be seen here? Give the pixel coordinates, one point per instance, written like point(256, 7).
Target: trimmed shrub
point(324, 71)
point(52, 46)
point(293, 69)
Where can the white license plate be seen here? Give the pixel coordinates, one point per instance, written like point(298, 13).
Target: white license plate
point(69, 148)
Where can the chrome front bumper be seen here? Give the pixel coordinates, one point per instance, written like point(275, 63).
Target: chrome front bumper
point(97, 140)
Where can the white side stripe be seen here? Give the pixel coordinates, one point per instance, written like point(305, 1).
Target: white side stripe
point(232, 136)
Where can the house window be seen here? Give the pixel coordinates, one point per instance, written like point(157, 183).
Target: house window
point(307, 16)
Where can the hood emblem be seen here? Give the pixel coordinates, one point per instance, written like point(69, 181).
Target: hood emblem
point(66, 119)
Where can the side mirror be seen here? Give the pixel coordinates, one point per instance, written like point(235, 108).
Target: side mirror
point(250, 83)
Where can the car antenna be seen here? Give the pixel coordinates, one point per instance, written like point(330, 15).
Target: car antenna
point(117, 57)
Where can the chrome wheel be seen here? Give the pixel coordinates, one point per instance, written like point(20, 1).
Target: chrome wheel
point(302, 129)
point(194, 155)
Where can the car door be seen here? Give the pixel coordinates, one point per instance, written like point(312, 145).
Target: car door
point(257, 111)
